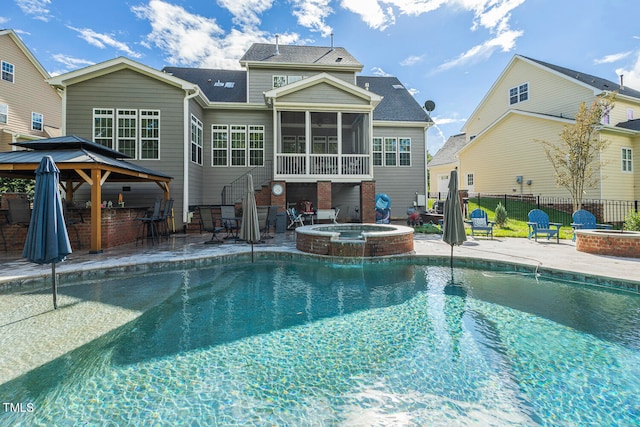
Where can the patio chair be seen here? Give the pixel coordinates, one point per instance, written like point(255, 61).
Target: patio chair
point(295, 218)
point(209, 223)
point(148, 224)
point(539, 224)
point(269, 221)
point(19, 214)
point(163, 225)
point(585, 220)
point(328, 214)
point(230, 221)
point(479, 222)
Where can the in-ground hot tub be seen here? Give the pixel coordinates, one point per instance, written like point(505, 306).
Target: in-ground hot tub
point(609, 242)
point(355, 240)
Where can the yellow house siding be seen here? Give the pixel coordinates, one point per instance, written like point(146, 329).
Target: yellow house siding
point(434, 177)
point(620, 111)
point(28, 93)
point(616, 184)
point(548, 94)
point(512, 149)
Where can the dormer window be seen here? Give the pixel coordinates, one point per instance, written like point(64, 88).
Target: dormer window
point(519, 93)
point(7, 72)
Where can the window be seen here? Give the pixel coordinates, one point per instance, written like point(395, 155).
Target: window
point(135, 133)
point(127, 127)
point(4, 114)
point(279, 81)
point(390, 151)
point(377, 151)
point(469, 180)
point(196, 140)
point(36, 121)
point(103, 127)
point(149, 134)
point(256, 145)
point(627, 160)
point(238, 145)
point(404, 144)
point(7, 72)
point(519, 93)
point(629, 113)
point(219, 144)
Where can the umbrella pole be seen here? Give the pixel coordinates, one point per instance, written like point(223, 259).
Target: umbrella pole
point(252, 251)
point(54, 285)
point(451, 256)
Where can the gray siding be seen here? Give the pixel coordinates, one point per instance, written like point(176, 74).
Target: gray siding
point(129, 89)
point(215, 178)
point(261, 80)
point(402, 183)
point(323, 93)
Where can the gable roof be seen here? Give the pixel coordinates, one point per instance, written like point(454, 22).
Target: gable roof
point(217, 85)
point(18, 41)
point(447, 153)
point(274, 55)
point(397, 103)
point(589, 79)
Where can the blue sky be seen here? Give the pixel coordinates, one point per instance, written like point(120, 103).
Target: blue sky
point(448, 51)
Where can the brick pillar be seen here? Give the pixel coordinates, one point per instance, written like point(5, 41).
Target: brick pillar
point(281, 200)
point(368, 201)
point(324, 195)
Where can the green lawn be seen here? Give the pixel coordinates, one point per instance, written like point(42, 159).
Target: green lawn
point(515, 227)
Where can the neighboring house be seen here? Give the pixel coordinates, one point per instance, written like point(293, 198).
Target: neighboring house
point(296, 116)
point(29, 107)
point(443, 162)
point(532, 101)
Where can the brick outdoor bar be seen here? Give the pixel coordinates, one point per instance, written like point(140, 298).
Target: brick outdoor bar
point(609, 242)
point(355, 240)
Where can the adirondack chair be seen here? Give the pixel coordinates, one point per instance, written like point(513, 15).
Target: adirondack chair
point(479, 222)
point(585, 220)
point(539, 224)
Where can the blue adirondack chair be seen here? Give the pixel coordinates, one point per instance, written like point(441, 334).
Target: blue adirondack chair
point(479, 222)
point(539, 224)
point(585, 220)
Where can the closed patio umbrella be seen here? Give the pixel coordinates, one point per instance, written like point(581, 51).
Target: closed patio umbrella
point(453, 225)
point(250, 227)
point(47, 239)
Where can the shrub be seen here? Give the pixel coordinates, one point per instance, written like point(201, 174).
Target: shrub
point(501, 215)
point(632, 221)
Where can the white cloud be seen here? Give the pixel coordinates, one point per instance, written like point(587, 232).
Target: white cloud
point(3, 20)
point(504, 41)
point(411, 60)
point(38, 9)
point(377, 71)
point(631, 75)
point(613, 58)
point(70, 62)
point(312, 14)
point(193, 40)
point(371, 12)
point(103, 41)
point(246, 12)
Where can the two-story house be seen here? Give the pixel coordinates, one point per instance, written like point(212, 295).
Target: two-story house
point(531, 101)
point(298, 118)
point(30, 108)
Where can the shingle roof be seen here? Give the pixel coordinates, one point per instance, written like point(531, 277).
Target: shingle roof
point(316, 55)
point(630, 124)
point(397, 103)
point(591, 80)
point(217, 85)
point(446, 154)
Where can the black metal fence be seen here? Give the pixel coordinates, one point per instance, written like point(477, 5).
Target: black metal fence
point(559, 209)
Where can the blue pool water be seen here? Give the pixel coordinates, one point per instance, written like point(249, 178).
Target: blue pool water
point(311, 344)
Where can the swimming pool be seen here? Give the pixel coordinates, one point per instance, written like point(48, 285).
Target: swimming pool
point(310, 343)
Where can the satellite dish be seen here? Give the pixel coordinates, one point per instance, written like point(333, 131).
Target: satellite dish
point(429, 106)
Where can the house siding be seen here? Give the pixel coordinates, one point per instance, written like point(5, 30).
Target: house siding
point(402, 183)
point(261, 80)
point(323, 93)
point(616, 184)
point(28, 93)
point(548, 94)
point(130, 89)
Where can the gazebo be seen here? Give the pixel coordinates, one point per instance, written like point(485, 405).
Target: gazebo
point(80, 161)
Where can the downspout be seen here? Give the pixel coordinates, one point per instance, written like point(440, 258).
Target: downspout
point(187, 151)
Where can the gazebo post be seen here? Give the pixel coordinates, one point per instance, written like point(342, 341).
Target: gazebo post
point(96, 211)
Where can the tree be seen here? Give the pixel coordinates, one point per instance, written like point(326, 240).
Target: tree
point(576, 159)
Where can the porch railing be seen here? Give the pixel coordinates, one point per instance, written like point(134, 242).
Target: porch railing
point(323, 164)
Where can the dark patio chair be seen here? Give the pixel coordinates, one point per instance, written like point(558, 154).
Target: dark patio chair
point(163, 221)
point(230, 221)
point(148, 224)
point(209, 223)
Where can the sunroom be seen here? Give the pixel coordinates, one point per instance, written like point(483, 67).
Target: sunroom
point(322, 130)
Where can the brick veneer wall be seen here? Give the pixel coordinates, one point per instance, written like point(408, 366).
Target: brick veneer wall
point(368, 201)
point(622, 245)
point(375, 245)
point(324, 195)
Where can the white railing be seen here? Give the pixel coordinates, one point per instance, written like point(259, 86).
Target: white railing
point(323, 165)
